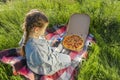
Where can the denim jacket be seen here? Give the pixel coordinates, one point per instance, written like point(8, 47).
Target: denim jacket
point(41, 59)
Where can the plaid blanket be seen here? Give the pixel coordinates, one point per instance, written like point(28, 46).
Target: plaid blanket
point(54, 36)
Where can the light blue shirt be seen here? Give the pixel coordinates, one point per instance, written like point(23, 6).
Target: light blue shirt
point(41, 59)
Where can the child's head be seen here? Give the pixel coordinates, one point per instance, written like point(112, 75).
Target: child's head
point(35, 24)
point(34, 19)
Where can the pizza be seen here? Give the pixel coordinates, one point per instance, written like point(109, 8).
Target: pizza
point(73, 42)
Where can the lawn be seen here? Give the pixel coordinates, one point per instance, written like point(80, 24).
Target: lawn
point(103, 62)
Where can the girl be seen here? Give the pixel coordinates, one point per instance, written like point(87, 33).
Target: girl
point(41, 59)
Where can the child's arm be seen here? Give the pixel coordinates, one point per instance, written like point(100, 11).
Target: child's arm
point(41, 56)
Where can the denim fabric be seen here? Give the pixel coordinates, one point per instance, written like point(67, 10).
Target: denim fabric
point(42, 60)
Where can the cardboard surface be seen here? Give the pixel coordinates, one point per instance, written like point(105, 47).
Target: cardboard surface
point(79, 24)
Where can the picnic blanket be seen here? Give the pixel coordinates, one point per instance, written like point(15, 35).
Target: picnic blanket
point(54, 35)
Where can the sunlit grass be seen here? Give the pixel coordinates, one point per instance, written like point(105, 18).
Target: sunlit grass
point(103, 62)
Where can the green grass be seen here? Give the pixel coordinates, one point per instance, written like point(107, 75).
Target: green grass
point(103, 62)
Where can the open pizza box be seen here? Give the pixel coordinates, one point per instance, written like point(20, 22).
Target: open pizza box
point(78, 27)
